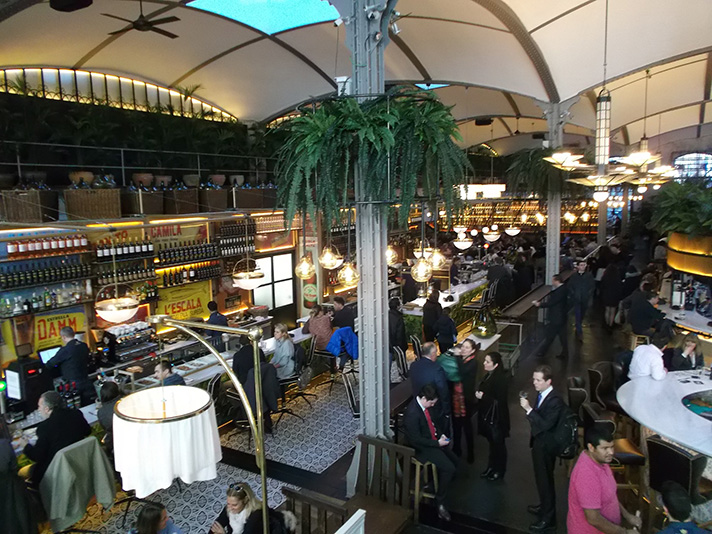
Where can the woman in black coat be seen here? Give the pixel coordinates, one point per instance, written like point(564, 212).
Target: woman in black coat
point(493, 415)
point(396, 326)
point(464, 400)
point(432, 310)
point(611, 292)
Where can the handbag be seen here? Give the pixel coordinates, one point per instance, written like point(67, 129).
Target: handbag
point(491, 420)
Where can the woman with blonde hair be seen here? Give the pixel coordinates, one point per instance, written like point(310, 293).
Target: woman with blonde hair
point(243, 514)
point(283, 357)
point(687, 356)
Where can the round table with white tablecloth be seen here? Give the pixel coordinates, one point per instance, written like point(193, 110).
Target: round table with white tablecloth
point(165, 433)
point(658, 405)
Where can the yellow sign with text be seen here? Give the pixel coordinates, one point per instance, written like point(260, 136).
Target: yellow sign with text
point(184, 302)
point(47, 328)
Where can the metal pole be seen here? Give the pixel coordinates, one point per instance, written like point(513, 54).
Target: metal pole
point(256, 425)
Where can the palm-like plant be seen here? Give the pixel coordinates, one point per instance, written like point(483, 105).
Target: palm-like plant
point(400, 141)
point(685, 208)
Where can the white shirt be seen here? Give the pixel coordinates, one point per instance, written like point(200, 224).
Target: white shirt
point(647, 361)
point(237, 521)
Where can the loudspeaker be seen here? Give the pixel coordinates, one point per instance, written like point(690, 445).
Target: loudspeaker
point(483, 122)
point(69, 5)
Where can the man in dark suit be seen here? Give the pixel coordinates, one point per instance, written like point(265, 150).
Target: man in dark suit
point(424, 432)
point(557, 303)
point(73, 361)
point(61, 428)
point(543, 417)
point(427, 370)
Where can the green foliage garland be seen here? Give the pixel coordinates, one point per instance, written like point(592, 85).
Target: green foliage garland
point(684, 208)
point(400, 141)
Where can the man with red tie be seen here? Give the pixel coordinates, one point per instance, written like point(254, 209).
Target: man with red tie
point(423, 431)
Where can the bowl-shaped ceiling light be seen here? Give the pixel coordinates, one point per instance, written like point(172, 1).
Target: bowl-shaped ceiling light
point(425, 253)
point(330, 258)
point(600, 194)
point(247, 275)
point(492, 236)
point(512, 231)
point(473, 232)
point(116, 303)
point(348, 275)
point(458, 229)
point(421, 271)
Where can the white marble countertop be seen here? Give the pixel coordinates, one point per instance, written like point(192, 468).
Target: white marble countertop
point(485, 343)
point(687, 319)
point(455, 291)
point(657, 404)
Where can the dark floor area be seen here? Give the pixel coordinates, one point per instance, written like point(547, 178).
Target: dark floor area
point(478, 505)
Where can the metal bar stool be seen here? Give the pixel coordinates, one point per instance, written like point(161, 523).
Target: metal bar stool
point(419, 492)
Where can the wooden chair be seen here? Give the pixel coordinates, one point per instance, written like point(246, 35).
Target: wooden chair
point(422, 478)
point(384, 489)
point(636, 340)
point(417, 346)
point(401, 362)
point(315, 513)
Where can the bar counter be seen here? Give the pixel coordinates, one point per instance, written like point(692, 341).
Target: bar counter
point(658, 405)
point(415, 307)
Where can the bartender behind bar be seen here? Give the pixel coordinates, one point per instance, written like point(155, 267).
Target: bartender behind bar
point(72, 360)
point(216, 318)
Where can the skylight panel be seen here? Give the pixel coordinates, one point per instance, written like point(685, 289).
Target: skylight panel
point(271, 16)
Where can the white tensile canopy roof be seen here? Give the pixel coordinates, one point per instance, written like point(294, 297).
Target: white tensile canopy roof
point(497, 57)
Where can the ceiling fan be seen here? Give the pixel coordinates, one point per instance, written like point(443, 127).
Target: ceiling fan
point(143, 24)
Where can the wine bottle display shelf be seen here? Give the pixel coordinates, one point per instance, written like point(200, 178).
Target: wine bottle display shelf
point(120, 259)
point(188, 282)
point(45, 310)
point(48, 283)
point(44, 256)
point(187, 262)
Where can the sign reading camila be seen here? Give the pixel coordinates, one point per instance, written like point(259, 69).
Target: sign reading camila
point(184, 302)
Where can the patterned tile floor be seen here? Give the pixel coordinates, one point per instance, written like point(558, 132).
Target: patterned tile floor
point(193, 507)
point(327, 432)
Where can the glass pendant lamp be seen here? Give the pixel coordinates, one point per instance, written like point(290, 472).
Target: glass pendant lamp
point(348, 275)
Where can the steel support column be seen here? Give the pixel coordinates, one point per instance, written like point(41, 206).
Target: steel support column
point(556, 114)
point(367, 36)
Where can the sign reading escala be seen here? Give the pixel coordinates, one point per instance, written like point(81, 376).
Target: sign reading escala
point(184, 302)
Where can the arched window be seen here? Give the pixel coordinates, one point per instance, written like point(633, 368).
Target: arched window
point(695, 165)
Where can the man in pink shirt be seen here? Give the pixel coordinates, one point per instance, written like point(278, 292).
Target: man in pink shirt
point(593, 503)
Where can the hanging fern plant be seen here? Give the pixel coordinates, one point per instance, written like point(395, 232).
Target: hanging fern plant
point(397, 142)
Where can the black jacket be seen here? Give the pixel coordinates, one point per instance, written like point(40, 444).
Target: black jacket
point(243, 361)
point(396, 330)
point(72, 360)
point(558, 303)
point(216, 319)
point(270, 388)
point(424, 371)
point(277, 523)
point(543, 421)
point(643, 316)
point(494, 387)
point(431, 313)
point(679, 363)
point(344, 317)
point(62, 428)
point(417, 431)
point(445, 329)
point(468, 378)
point(17, 518)
point(580, 287)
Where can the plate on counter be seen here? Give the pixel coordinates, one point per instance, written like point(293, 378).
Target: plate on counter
point(146, 382)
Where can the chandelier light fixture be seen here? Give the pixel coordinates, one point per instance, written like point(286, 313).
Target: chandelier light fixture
point(422, 269)
point(305, 268)
point(391, 255)
point(348, 275)
point(437, 260)
point(113, 305)
point(246, 274)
